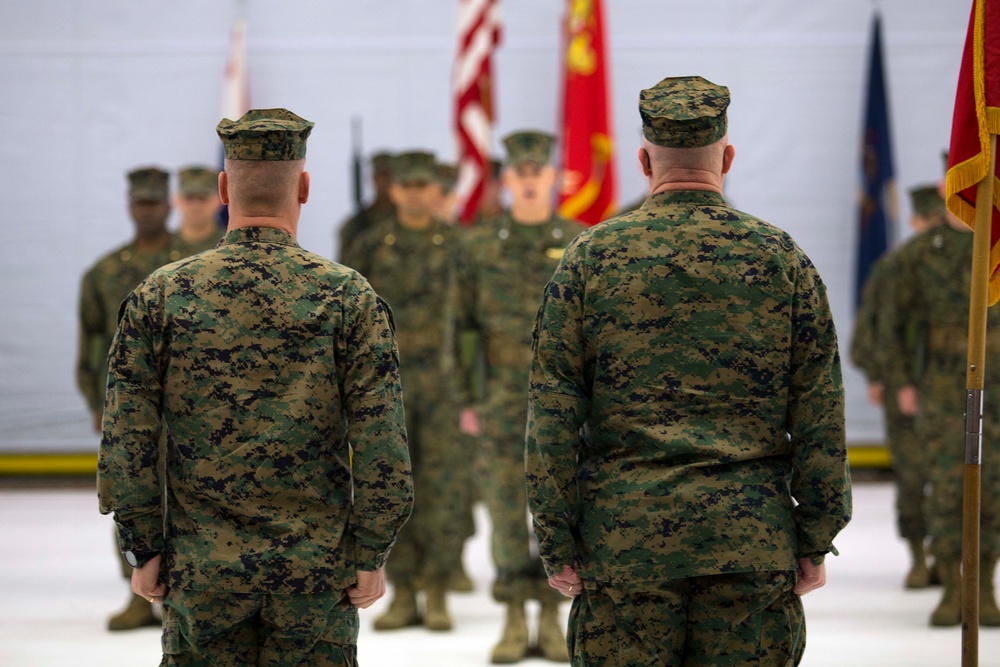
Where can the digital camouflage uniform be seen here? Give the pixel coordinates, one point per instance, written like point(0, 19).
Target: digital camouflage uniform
point(685, 439)
point(106, 284)
point(505, 268)
point(867, 351)
point(275, 374)
point(930, 292)
point(359, 223)
point(414, 270)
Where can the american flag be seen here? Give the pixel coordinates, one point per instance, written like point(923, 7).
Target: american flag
point(235, 90)
point(478, 37)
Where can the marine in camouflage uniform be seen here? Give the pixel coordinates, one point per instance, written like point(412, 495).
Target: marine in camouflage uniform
point(410, 259)
point(198, 204)
point(867, 352)
point(930, 294)
point(103, 288)
point(506, 263)
point(381, 206)
point(685, 449)
point(274, 373)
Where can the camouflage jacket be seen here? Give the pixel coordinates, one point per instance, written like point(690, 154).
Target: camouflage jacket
point(685, 394)
point(929, 293)
point(415, 272)
point(503, 269)
point(102, 290)
point(194, 247)
point(275, 373)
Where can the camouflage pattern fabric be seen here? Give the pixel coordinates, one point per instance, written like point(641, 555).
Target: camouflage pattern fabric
point(505, 266)
point(265, 134)
point(684, 112)
point(867, 351)
point(685, 387)
point(529, 147)
point(930, 293)
point(414, 166)
point(105, 285)
point(357, 226)
point(217, 629)
point(148, 184)
point(414, 270)
point(273, 370)
point(714, 621)
point(198, 181)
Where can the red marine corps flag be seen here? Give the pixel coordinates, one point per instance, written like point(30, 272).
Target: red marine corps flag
point(977, 116)
point(587, 191)
point(478, 37)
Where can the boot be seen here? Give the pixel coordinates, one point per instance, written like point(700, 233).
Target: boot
point(919, 575)
point(137, 614)
point(513, 644)
point(461, 582)
point(551, 638)
point(436, 615)
point(949, 610)
point(989, 613)
point(402, 612)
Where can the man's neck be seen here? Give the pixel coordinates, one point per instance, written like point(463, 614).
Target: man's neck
point(194, 232)
point(152, 242)
point(687, 179)
point(530, 214)
point(415, 222)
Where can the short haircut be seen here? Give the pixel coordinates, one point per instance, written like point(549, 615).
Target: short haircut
point(263, 187)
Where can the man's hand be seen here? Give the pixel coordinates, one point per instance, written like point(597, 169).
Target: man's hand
point(811, 577)
point(906, 397)
point(370, 587)
point(876, 393)
point(468, 422)
point(146, 581)
point(567, 582)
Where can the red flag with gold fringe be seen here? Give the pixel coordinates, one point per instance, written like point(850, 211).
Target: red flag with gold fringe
point(977, 116)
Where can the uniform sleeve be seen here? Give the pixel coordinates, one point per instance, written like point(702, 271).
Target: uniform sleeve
point(897, 323)
point(465, 297)
point(91, 338)
point(558, 405)
point(815, 420)
point(383, 484)
point(128, 471)
point(865, 348)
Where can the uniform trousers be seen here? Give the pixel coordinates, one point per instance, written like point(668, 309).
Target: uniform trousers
point(212, 629)
point(746, 619)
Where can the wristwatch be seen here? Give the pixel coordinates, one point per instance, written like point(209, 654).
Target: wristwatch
point(139, 558)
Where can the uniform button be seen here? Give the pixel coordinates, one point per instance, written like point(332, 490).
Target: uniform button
point(557, 233)
point(938, 241)
point(390, 239)
point(504, 234)
point(126, 255)
point(437, 239)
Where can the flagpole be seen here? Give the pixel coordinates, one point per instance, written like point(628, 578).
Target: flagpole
point(974, 382)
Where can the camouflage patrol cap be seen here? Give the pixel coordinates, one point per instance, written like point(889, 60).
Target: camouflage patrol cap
point(684, 112)
point(148, 184)
point(265, 134)
point(446, 175)
point(198, 181)
point(413, 166)
point(382, 162)
point(529, 147)
point(926, 200)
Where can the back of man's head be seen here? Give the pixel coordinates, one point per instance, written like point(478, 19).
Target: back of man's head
point(265, 158)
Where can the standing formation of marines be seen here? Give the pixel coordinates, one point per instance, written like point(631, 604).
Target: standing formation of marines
point(685, 463)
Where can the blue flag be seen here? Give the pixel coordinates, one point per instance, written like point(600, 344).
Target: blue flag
point(877, 214)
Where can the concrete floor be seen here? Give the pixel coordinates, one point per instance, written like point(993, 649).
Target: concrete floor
point(59, 582)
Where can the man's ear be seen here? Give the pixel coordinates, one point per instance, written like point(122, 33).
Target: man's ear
point(644, 163)
point(224, 188)
point(727, 158)
point(304, 187)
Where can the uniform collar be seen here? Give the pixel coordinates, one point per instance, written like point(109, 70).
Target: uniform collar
point(693, 197)
point(258, 235)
